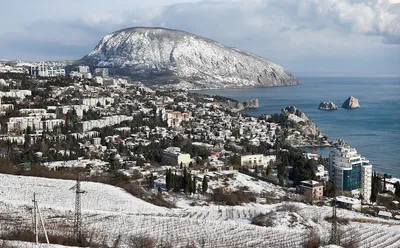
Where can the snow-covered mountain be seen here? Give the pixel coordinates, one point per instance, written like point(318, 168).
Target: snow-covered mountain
point(164, 57)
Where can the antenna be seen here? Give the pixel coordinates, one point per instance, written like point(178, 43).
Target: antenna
point(78, 213)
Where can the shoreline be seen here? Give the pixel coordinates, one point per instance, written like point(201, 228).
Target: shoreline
point(380, 171)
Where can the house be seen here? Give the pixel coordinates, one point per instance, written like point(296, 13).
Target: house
point(385, 214)
point(348, 202)
point(322, 173)
point(252, 161)
point(312, 190)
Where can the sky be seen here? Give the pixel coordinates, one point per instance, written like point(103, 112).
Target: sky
point(307, 37)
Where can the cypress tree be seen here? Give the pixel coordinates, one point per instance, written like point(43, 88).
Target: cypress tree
point(168, 180)
point(194, 185)
point(204, 184)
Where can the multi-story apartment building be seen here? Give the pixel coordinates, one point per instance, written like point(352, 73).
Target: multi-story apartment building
point(173, 156)
point(21, 94)
point(312, 190)
point(44, 70)
point(350, 171)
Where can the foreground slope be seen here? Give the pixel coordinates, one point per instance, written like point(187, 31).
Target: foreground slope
point(171, 56)
point(110, 212)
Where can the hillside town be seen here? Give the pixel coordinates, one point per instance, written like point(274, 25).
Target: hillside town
point(61, 121)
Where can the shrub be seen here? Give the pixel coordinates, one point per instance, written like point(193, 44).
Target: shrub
point(288, 207)
point(313, 240)
point(267, 219)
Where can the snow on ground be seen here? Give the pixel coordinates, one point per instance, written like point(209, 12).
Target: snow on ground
point(112, 211)
point(60, 194)
point(20, 244)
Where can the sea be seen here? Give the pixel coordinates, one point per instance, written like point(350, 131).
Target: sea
point(373, 129)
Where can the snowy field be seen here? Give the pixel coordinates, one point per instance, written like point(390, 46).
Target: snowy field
point(107, 209)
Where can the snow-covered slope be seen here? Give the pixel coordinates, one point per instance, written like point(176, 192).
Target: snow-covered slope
point(60, 194)
point(172, 57)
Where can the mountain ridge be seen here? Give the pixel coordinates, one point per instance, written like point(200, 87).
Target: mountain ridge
point(175, 58)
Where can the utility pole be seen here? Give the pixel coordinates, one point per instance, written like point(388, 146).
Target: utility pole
point(78, 213)
point(335, 239)
point(35, 223)
point(36, 212)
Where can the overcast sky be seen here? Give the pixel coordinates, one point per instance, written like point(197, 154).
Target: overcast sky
point(358, 37)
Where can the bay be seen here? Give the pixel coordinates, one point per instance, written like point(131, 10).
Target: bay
point(374, 129)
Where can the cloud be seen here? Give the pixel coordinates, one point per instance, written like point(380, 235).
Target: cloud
point(289, 32)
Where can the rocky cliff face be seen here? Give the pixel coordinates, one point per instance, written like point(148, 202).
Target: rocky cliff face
point(251, 104)
point(327, 106)
point(182, 60)
point(248, 104)
point(305, 128)
point(351, 103)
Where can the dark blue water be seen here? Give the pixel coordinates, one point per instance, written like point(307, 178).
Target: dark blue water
point(374, 129)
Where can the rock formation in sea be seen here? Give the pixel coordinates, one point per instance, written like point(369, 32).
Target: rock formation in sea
point(251, 104)
point(351, 103)
point(327, 106)
point(248, 104)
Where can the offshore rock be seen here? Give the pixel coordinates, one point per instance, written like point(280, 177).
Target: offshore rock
point(351, 103)
point(251, 104)
point(327, 106)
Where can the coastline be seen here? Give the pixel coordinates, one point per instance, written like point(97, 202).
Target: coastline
point(269, 100)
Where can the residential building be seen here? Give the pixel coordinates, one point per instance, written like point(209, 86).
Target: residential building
point(321, 173)
point(21, 94)
point(253, 160)
point(37, 122)
point(350, 171)
point(101, 72)
point(312, 190)
point(93, 102)
point(173, 156)
point(43, 70)
point(348, 202)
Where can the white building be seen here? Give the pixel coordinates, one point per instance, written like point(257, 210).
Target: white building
point(44, 70)
point(350, 171)
point(173, 156)
point(33, 111)
point(37, 122)
point(93, 102)
point(322, 173)
point(254, 160)
point(104, 122)
point(21, 94)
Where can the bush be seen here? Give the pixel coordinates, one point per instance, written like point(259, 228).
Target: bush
point(313, 240)
point(267, 219)
point(288, 207)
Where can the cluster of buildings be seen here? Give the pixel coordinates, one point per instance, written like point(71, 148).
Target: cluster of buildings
point(173, 118)
point(36, 119)
point(210, 126)
point(105, 121)
point(4, 68)
point(43, 69)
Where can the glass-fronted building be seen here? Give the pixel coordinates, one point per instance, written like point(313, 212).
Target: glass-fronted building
point(350, 171)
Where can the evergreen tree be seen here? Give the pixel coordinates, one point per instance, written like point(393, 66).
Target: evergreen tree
point(194, 185)
point(397, 189)
point(168, 179)
point(204, 185)
point(151, 181)
point(159, 191)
